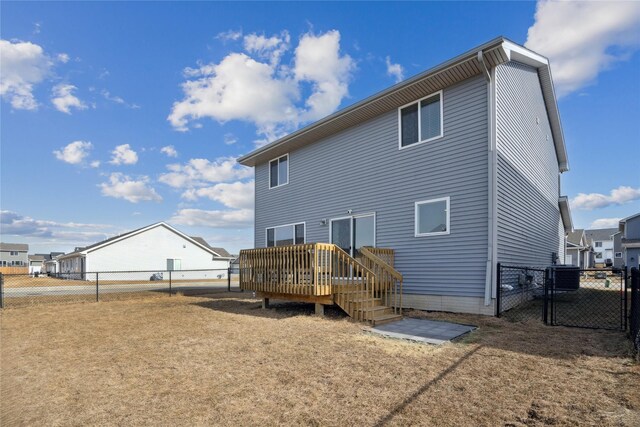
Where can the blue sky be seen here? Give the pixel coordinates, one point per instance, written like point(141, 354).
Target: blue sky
point(118, 115)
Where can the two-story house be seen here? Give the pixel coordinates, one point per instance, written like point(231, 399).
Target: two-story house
point(451, 171)
point(601, 241)
point(14, 255)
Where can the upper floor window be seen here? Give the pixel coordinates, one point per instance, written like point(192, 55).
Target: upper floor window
point(279, 171)
point(421, 121)
point(618, 254)
point(598, 244)
point(290, 234)
point(14, 253)
point(432, 217)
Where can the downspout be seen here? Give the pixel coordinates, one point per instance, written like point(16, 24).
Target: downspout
point(492, 233)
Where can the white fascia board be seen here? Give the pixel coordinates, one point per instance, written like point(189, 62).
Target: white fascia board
point(523, 55)
point(565, 213)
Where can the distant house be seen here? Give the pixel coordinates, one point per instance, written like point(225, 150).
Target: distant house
point(601, 240)
point(155, 248)
point(630, 240)
point(618, 258)
point(14, 256)
point(579, 251)
point(50, 264)
point(447, 173)
point(36, 263)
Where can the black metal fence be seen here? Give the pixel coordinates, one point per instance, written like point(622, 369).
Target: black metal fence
point(588, 298)
point(564, 295)
point(634, 308)
point(24, 289)
point(521, 292)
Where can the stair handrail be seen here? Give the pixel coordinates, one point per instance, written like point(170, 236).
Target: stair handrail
point(383, 270)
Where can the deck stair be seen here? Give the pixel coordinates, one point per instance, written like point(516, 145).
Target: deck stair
point(368, 288)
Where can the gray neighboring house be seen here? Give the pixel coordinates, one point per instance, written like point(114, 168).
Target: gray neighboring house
point(601, 241)
point(579, 253)
point(50, 264)
point(630, 240)
point(456, 169)
point(618, 258)
point(14, 255)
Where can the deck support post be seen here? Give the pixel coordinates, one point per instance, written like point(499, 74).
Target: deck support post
point(319, 309)
point(265, 303)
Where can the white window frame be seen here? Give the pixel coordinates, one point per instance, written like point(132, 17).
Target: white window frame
point(277, 159)
point(598, 244)
point(448, 216)
point(293, 224)
point(420, 140)
point(618, 255)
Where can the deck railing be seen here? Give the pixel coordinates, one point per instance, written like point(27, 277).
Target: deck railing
point(388, 280)
point(322, 269)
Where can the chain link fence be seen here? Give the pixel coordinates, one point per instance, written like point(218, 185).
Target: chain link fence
point(634, 312)
point(521, 293)
point(588, 298)
point(565, 296)
point(23, 289)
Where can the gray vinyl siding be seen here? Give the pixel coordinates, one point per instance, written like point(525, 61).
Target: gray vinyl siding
point(528, 217)
point(361, 169)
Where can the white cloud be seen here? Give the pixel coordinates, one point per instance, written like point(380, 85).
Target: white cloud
point(271, 48)
point(117, 99)
point(64, 99)
point(581, 39)
point(617, 196)
point(200, 172)
point(169, 150)
point(74, 153)
point(63, 57)
point(124, 187)
point(394, 70)
point(241, 218)
point(95, 164)
point(22, 66)
point(12, 223)
point(605, 223)
point(123, 155)
point(318, 61)
point(229, 35)
point(237, 195)
point(262, 90)
point(230, 139)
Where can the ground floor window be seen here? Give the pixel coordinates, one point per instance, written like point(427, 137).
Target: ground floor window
point(174, 264)
point(290, 234)
point(432, 217)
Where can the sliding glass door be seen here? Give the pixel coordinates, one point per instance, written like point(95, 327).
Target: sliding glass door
point(353, 232)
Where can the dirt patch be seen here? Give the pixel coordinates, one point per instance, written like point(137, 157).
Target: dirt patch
point(222, 360)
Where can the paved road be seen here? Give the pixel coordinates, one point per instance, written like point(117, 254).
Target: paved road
point(90, 289)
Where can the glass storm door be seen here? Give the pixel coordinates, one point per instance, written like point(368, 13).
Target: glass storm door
point(354, 232)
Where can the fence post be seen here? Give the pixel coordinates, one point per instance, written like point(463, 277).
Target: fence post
point(169, 282)
point(545, 301)
point(229, 279)
point(625, 291)
point(1, 290)
point(498, 289)
point(97, 291)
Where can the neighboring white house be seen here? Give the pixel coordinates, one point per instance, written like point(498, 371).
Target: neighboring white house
point(154, 248)
point(36, 263)
point(601, 240)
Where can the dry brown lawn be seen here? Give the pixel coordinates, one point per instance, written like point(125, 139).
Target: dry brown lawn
point(224, 361)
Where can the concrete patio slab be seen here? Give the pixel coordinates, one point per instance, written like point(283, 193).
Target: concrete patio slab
point(422, 330)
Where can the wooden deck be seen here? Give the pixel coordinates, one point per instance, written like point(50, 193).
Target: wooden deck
point(368, 288)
